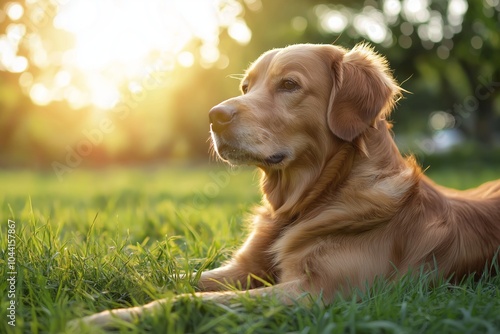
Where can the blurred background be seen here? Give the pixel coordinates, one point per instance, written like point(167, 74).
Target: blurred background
point(92, 83)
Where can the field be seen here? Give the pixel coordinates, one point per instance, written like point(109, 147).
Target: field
point(121, 237)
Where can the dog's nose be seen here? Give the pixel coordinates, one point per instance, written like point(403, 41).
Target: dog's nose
point(221, 117)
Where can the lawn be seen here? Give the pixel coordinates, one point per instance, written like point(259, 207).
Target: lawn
point(121, 237)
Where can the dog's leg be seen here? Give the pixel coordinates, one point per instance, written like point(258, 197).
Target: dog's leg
point(287, 293)
point(253, 260)
point(232, 275)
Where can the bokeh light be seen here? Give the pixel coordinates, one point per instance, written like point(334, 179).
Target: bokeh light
point(97, 47)
point(14, 10)
point(375, 20)
point(440, 120)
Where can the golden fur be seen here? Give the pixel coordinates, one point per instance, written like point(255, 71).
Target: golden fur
point(341, 206)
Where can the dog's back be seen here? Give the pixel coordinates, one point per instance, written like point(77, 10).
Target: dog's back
point(477, 226)
point(462, 228)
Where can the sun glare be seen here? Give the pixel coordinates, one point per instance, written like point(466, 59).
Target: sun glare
point(116, 43)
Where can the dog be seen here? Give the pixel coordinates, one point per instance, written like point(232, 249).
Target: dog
point(341, 206)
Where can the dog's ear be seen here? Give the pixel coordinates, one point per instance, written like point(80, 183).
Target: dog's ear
point(363, 89)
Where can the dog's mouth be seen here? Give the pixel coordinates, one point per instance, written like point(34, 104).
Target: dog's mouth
point(236, 152)
point(275, 159)
point(238, 156)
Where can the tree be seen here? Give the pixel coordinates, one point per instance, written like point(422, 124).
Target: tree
point(447, 48)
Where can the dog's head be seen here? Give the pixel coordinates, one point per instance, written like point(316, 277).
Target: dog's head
point(302, 99)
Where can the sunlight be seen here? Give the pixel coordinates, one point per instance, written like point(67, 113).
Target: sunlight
point(107, 44)
point(116, 42)
point(126, 35)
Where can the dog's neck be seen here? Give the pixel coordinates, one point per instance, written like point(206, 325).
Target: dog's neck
point(296, 190)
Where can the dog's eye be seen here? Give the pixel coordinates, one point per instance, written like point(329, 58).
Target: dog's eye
point(288, 85)
point(244, 88)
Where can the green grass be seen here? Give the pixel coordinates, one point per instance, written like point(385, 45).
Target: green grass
point(115, 238)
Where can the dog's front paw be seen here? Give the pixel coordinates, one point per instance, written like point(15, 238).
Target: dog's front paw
point(106, 319)
point(112, 318)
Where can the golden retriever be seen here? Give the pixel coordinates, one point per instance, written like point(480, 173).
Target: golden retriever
point(341, 206)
